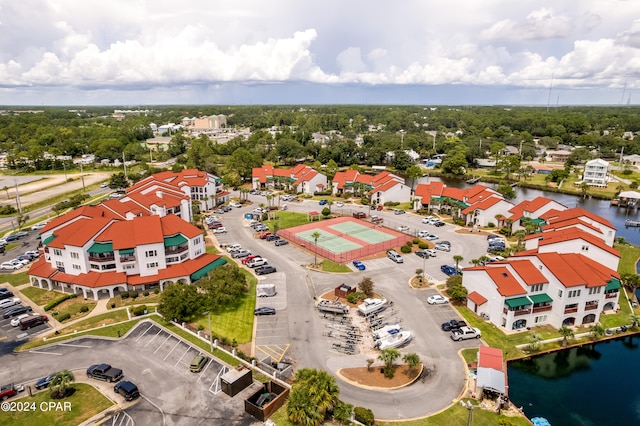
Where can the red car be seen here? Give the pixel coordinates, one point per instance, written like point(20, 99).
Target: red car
point(264, 235)
point(380, 207)
point(248, 258)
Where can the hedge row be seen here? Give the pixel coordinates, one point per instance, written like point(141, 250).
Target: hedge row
point(56, 302)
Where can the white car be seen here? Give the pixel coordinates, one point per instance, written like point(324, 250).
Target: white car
point(423, 234)
point(38, 226)
point(221, 230)
point(7, 303)
point(403, 228)
point(437, 300)
point(339, 204)
point(259, 210)
point(21, 263)
point(9, 266)
point(104, 185)
point(16, 321)
point(234, 204)
point(427, 219)
point(258, 261)
point(495, 258)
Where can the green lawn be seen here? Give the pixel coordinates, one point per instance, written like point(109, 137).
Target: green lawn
point(151, 299)
point(237, 323)
point(40, 296)
point(288, 220)
point(629, 255)
point(329, 266)
point(212, 250)
point(74, 307)
point(15, 279)
point(85, 403)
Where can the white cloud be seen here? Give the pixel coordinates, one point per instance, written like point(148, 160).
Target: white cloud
point(539, 24)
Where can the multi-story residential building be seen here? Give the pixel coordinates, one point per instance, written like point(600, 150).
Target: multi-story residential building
point(484, 212)
point(94, 250)
point(300, 179)
point(381, 188)
point(542, 289)
point(595, 172)
point(583, 219)
point(530, 210)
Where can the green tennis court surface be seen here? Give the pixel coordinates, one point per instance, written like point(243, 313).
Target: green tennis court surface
point(329, 241)
point(361, 232)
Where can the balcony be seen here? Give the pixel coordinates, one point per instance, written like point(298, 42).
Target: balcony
point(521, 312)
point(542, 309)
point(101, 258)
point(570, 310)
point(591, 307)
point(125, 259)
point(176, 249)
point(611, 295)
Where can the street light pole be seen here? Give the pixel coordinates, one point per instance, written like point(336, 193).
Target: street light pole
point(210, 331)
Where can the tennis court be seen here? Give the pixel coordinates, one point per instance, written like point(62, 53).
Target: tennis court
point(344, 239)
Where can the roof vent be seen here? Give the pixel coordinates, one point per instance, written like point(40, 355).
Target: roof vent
point(504, 274)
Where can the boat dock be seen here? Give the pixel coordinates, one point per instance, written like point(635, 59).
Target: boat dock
point(473, 180)
point(631, 223)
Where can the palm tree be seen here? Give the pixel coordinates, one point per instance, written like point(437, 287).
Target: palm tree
point(457, 258)
point(520, 234)
point(315, 237)
point(566, 333)
point(475, 262)
point(420, 274)
point(60, 384)
point(534, 341)
point(635, 320)
point(597, 331)
point(388, 356)
point(630, 282)
point(314, 392)
point(301, 410)
point(412, 360)
point(483, 259)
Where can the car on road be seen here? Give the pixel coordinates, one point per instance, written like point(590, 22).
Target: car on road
point(264, 310)
point(403, 228)
point(427, 219)
point(399, 211)
point(281, 243)
point(437, 299)
point(438, 224)
point(18, 310)
point(258, 261)
point(221, 230)
point(272, 237)
point(449, 270)
point(7, 303)
point(16, 321)
point(127, 389)
point(442, 247)
point(10, 266)
point(240, 253)
point(426, 253)
point(359, 265)
point(323, 202)
point(465, 333)
point(44, 382)
point(339, 204)
point(430, 237)
point(265, 269)
point(453, 325)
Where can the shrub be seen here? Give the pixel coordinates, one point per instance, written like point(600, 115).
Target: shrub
point(355, 297)
point(84, 309)
point(422, 245)
point(133, 294)
point(200, 327)
point(139, 310)
point(364, 416)
point(491, 225)
point(416, 241)
point(56, 302)
point(389, 372)
point(409, 243)
point(55, 314)
point(405, 249)
point(64, 317)
point(124, 295)
point(156, 291)
point(113, 305)
point(145, 293)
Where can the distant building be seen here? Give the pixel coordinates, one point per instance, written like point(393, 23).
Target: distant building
point(300, 179)
point(595, 172)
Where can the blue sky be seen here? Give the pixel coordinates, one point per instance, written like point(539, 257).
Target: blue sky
point(486, 52)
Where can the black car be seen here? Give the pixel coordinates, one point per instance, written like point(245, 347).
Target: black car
point(281, 243)
point(265, 269)
point(13, 237)
point(18, 310)
point(3, 289)
point(127, 389)
point(272, 237)
point(44, 382)
point(5, 295)
point(438, 224)
point(264, 311)
point(453, 325)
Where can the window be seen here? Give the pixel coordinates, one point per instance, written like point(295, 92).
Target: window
point(595, 290)
point(574, 293)
point(183, 256)
point(151, 253)
point(152, 265)
point(76, 267)
point(57, 252)
point(75, 255)
point(198, 252)
point(585, 247)
point(59, 264)
point(108, 266)
point(540, 319)
point(196, 241)
point(537, 287)
point(559, 293)
point(129, 266)
point(94, 266)
point(172, 259)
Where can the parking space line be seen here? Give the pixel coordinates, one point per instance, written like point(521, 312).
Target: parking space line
point(275, 352)
point(74, 346)
point(162, 344)
point(153, 338)
point(185, 352)
point(145, 332)
point(201, 374)
point(174, 346)
point(45, 353)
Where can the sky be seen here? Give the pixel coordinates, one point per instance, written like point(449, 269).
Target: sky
point(453, 52)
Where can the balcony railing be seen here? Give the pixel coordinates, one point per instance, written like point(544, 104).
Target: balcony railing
point(521, 312)
point(125, 259)
point(591, 307)
point(542, 309)
point(611, 295)
point(102, 258)
point(570, 310)
point(176, 250)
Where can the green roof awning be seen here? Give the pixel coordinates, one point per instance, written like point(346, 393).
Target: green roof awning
point(518, 302)
point(205, 270)
point(127, 251)
point(614, 284)
point(100, 248)
point(540, 298)
point(175, 240)
point(48, 240)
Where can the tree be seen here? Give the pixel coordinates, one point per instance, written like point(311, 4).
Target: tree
point(342, 412)
point(224, 287)
point(630, 282)
point(635, 320)
point(388, 356)
point(366, 286)
point(457, 258)
point(315, 237)
point(584, 189)
point(59, 386)
point(420, 274)
point(326, 212)
point(370, 362)
point(180, 302)
point(520, 234)
point(118, 182)
point(458, 293)
point(412, 360)
point(314, 392)
point(534, 342)
point(415, 173)
point(597, 331)
point(566, 333)
point(455, 164)
point(506, 191)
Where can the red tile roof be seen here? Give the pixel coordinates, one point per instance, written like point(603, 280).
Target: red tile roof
point(79, 232)
point(386, 186)
point(490, 358)
point(177, 270)
point(483, 205)
point(172, 225)
point(122, 207)
point(477, 298)
point(262, 172)
point(575, 213)
point(575, 222)
point(528, 272)
point(505, 282)
point(573, 269)
point(83, 211)
point(426, 191)
point(453, 193)
point(530, 206)
point(568, 234)
point(341, 178)
point(41, 268)
point(131, 233)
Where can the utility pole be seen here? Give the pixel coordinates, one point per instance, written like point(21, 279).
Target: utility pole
point(124, 163)
point(82, 177)
point(18, 198)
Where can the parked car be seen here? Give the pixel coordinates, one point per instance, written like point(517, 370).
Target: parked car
point(438, 224)
point(465, 333)
point(234, 204)
point(16, 321)
point(5, 295)
point(431, 237)
point(453, 325)
point(493, 237)
point(427, 219)
point(437, 299)
point(425, 254)
point(339, 204)
point(359, 265)
point(22, 234)
point(240, 253)
point(127, 389)
point(395, 256)
point(32, 321)
point(265, 269)
point(258, 261)
point(403, 228)
point(264, 310)
point(25, 258)
point(281, 243)
point(198, 363)
point(43, 383)
point(221, 230)
point(233, 247)
point(442, 247)
point(399, 211)
point(215, 225)
point(359, 215)
point(104, 372)
point(323, 202)
point(33, 253)
point(7, 303)
point(272, 237)
point(9, 266)
point(38, 226)
point(449, 270)
point(250, 258)
point(495, 258)
point(18, 310)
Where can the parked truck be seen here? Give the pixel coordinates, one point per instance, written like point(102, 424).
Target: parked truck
point(359, 215)
point(104, 372)
point(464, 333)
point(332, 306)
point(7, 391)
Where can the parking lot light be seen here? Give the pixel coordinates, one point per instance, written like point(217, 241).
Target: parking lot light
point(208, 313)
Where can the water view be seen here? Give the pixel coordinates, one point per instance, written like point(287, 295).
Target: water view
point(593, 385)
